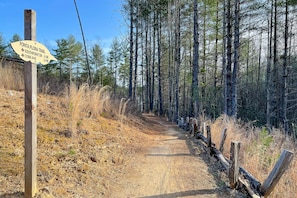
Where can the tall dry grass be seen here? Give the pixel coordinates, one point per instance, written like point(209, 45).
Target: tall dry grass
point(11, 78)
point(87, 102)
point(82, 102)
point(259, 151)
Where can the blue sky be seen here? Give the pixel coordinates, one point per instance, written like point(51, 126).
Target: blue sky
point(102, 20)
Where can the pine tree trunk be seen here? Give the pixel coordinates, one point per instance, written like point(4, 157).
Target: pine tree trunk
point(203, 69)
point(285, 75)
point(224, 66)
point(155, 22)
point(159, 66)
point(259, 63)
point(215, 75)
point(131, 49)
point(147, 66)
point(276, 108)
point(236, 58)
point(170, 81)
point(229, 60)
point(177, 59)
point(136, 53)
point(195, 86)
point(268, 71)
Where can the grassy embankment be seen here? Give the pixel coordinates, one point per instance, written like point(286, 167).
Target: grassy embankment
point(82, 138)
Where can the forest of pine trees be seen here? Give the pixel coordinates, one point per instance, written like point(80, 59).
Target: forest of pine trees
point(191, 58)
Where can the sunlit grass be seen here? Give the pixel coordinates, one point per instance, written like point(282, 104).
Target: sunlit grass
point(259, 151)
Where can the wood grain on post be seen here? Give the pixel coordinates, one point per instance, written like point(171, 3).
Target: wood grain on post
point(234, 163)
point(30, 76)
point(276, 173)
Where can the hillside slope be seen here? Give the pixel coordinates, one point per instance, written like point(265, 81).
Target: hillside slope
point(82, 164)
point(107, 156)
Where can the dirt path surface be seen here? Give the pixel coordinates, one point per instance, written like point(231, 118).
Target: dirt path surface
point(169, 165)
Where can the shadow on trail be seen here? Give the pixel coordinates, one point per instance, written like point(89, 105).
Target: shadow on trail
point(184, 194)
point(169, 155)
point(13, 195)
point(195, 150)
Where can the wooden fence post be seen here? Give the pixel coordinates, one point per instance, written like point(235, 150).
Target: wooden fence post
point(204, 128)
point(234, 163)
point(182, 122)
point(278, 170)
point(223, 138)
point(208, 136)
point(30, 75)
point(187, 123)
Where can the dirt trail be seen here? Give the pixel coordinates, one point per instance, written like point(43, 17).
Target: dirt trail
point(169, 165)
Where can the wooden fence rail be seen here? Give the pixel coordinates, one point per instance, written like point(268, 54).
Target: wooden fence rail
point(238, 176)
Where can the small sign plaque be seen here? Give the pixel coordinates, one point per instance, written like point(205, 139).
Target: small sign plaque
point(32, 51)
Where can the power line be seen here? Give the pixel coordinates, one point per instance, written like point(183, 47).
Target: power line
point(85, 47)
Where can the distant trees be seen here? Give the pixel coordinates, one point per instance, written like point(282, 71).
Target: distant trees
point(3, 46)
point(15, 38)
point(71, 66)
point(68, 54)
point(98, 60)
point(115, 58)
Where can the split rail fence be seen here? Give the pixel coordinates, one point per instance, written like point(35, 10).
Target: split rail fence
point(237, 175)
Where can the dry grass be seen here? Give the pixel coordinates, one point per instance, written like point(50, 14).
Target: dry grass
point(259, 151)
point(83, 163)
point(11, 79)
point(79, 146)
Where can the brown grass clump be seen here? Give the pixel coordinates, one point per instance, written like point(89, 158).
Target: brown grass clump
point(259, 151)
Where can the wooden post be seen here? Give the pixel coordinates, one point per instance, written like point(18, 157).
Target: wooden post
point(204, 128)
point(194, 127)
point(234, 163)
point(208, 136)
point(30, 75)
point(278, 170)
point(182, 122)
point(187, 123)
point(223, 138)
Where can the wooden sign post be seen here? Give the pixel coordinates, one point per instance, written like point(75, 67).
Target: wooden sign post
point(31, 52)
point(30, 75)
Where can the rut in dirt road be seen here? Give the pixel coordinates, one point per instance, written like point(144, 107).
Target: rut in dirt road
point(169, 165)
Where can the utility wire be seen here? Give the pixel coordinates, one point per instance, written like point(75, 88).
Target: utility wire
point(85, 47)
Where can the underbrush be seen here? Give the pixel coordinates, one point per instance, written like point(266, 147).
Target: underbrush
point(259, 151)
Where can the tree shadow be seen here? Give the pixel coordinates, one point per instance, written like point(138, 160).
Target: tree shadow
point(13, 195)
point(196, 149)
point(184, 193)
point(169, 155)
